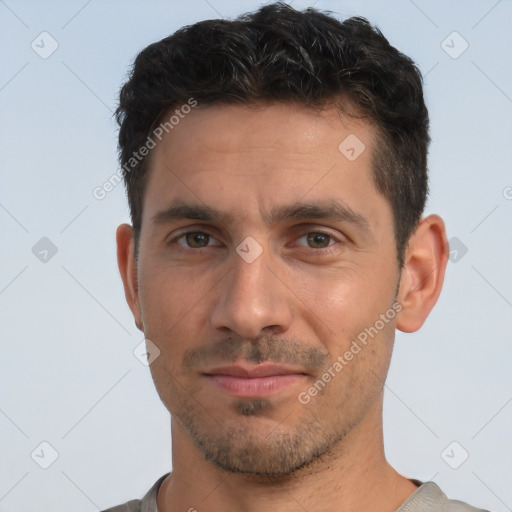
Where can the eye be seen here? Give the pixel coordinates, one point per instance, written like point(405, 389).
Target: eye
point(318, 239)
point(195, 240)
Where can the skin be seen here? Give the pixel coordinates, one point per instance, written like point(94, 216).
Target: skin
point(301, 303)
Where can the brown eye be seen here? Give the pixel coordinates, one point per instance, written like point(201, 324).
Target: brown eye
point(194, 239)
point(318, 240)
point(197, 239)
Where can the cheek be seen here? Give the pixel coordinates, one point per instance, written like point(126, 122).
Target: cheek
point(345, 297)
point(167, 295)
point(352, 314)
point(175, 311)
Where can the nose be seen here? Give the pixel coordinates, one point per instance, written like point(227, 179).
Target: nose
point(253, 299)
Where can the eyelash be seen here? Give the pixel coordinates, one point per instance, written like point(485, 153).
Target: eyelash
point(333, 240)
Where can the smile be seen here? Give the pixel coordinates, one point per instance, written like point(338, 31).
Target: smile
point(260, 381)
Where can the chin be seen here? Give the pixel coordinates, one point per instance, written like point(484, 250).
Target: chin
point(254, 445)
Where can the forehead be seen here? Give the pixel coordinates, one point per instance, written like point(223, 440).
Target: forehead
point(290, 128)
point(241, 159)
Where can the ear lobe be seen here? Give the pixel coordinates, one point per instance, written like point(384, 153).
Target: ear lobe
point(423, 273)
point(128, 270)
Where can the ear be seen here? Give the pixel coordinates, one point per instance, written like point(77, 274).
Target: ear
point(128, 269)
point(423, 273)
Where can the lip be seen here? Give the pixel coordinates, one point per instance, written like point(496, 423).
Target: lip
point(258, 381)
point(260, 370)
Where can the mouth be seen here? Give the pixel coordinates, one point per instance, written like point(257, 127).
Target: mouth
point(254, 381)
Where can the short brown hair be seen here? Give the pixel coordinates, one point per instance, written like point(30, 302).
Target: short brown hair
point(279, 54)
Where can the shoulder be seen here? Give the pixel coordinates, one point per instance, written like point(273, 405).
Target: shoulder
point(130, 506)
point(429, 497)
point(146, 504)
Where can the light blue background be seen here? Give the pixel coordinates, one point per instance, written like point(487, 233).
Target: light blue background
point(68, 373)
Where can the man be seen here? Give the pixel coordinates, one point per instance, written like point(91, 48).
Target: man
point(276, 175)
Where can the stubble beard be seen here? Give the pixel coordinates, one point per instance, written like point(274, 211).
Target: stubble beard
point(248, 438)
point(270, 453)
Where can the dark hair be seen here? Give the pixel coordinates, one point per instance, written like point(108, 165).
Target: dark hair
point(279, 54)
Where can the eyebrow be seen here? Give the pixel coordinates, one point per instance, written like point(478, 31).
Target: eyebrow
point(327, 210)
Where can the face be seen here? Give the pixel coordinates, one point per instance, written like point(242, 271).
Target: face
point(266, 257)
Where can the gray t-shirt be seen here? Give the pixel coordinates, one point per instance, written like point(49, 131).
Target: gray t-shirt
point(428, 497)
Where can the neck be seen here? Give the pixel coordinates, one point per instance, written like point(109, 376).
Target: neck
point(354, 477)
